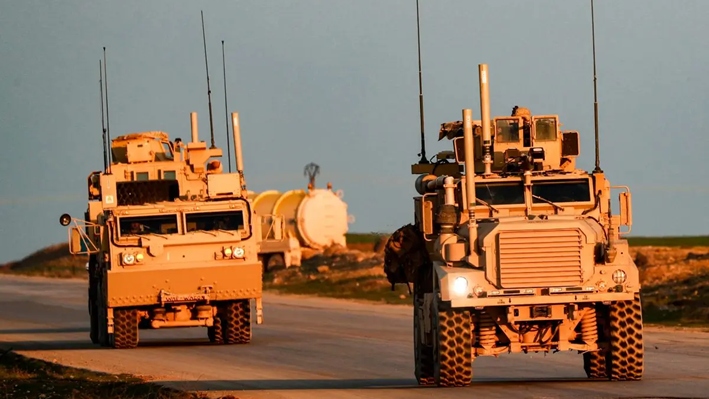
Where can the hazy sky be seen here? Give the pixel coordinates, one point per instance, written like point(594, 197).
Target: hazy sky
point(336, 83)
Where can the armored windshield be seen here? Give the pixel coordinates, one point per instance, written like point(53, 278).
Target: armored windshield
point(545, 129)
point(507, 130)
point(142, 225)
point(210, 221)
point(500, 193)
point(578, 190)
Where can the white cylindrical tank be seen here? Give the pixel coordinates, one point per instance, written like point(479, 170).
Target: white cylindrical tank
point(317, 218)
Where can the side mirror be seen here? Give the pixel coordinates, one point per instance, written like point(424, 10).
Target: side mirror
point(65, 219)
point(626, 209)
point(76, 242)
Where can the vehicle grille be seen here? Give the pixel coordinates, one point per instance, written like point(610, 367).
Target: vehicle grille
point(540, 258)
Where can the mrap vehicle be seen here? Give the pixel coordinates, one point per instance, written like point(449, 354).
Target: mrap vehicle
point(513, 249)
point(171, 241)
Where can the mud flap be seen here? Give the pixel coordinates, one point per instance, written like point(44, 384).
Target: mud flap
point(109, 320)
point(259, 310)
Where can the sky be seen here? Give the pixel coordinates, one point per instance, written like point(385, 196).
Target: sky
point(336, 83)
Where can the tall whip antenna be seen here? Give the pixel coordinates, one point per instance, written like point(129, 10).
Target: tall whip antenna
point(209, 90)
point(595, 94)
point(226, 111)
point(103, 125)
point(423, 138)
point(108, 124)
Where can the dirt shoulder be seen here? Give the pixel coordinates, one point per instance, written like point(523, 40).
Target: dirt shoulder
point(24, 377)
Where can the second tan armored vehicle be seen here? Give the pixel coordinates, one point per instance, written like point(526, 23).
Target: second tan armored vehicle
point(517, 251)
point(171, 240)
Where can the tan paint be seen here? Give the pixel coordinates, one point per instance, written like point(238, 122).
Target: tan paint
point(183, 263)
point(522, 265)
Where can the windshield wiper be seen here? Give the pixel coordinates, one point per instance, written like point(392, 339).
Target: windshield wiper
point(205, 231)
point(557, 207)
point(487, 205)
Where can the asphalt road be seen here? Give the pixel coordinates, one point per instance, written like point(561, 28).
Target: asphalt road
point(323, 348)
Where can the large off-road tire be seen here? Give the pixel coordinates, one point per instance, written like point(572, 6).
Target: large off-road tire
point(423, 353)
point(216, 332)
point(453, 365)
point(93, 319)
point(237, 322)
point(626, 354)
point(92, 298)
point(125, 328)
point(595, 364)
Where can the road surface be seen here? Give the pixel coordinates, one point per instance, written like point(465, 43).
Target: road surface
point(323, 348)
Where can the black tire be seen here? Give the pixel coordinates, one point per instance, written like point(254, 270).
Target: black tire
point(92, 298)
point(237, 322)
point(626, 357)
point(423, 354)
point(125, 328)
point(216, 332)
point(595, 364)
point(453, 365)
point(93, 316)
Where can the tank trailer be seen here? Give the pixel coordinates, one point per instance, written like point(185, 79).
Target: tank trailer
point(172, 241)
point(513, 249)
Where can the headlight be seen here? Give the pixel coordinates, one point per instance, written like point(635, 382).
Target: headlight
point(460, 286)
point(619, 276)
point(227, 252)
point(139, 257)
point(238, 252)
point(128, 259)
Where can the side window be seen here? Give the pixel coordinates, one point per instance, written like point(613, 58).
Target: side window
point(545, 129)
point(507, 131)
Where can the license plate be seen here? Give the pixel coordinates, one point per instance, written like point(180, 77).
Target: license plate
point(172, 298)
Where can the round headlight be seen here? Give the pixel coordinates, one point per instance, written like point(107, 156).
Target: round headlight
point(460, 286)
point(619, 276)
point(227, 251)
point(139, 257)
point(238, 252)
point(128, 259)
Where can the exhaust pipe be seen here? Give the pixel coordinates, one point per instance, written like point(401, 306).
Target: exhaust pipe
point(485, 115)
point(193, 121)
point(470, 182)
point(236, 131)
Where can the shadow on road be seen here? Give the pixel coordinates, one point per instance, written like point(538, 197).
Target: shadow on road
point(44, 330)
point(80, 344)
point(349, 384)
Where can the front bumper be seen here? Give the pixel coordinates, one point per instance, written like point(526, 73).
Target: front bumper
point(541, 299)
point(143, 286)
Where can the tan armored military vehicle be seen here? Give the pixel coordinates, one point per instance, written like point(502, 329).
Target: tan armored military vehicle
point(171, 240)
point(517, 251)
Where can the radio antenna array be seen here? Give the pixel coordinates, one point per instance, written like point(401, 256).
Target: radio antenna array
point(209, 90)
point(595, 95)
point(423, 159)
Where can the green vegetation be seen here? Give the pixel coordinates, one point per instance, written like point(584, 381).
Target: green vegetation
point(22, 377)
point(640, 241)
point(367, 288)
point(677, 241)
point(365, 238)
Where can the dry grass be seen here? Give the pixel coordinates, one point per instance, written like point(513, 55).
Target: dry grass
point(52, 261)
point(22, 377)
point(675, 284)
